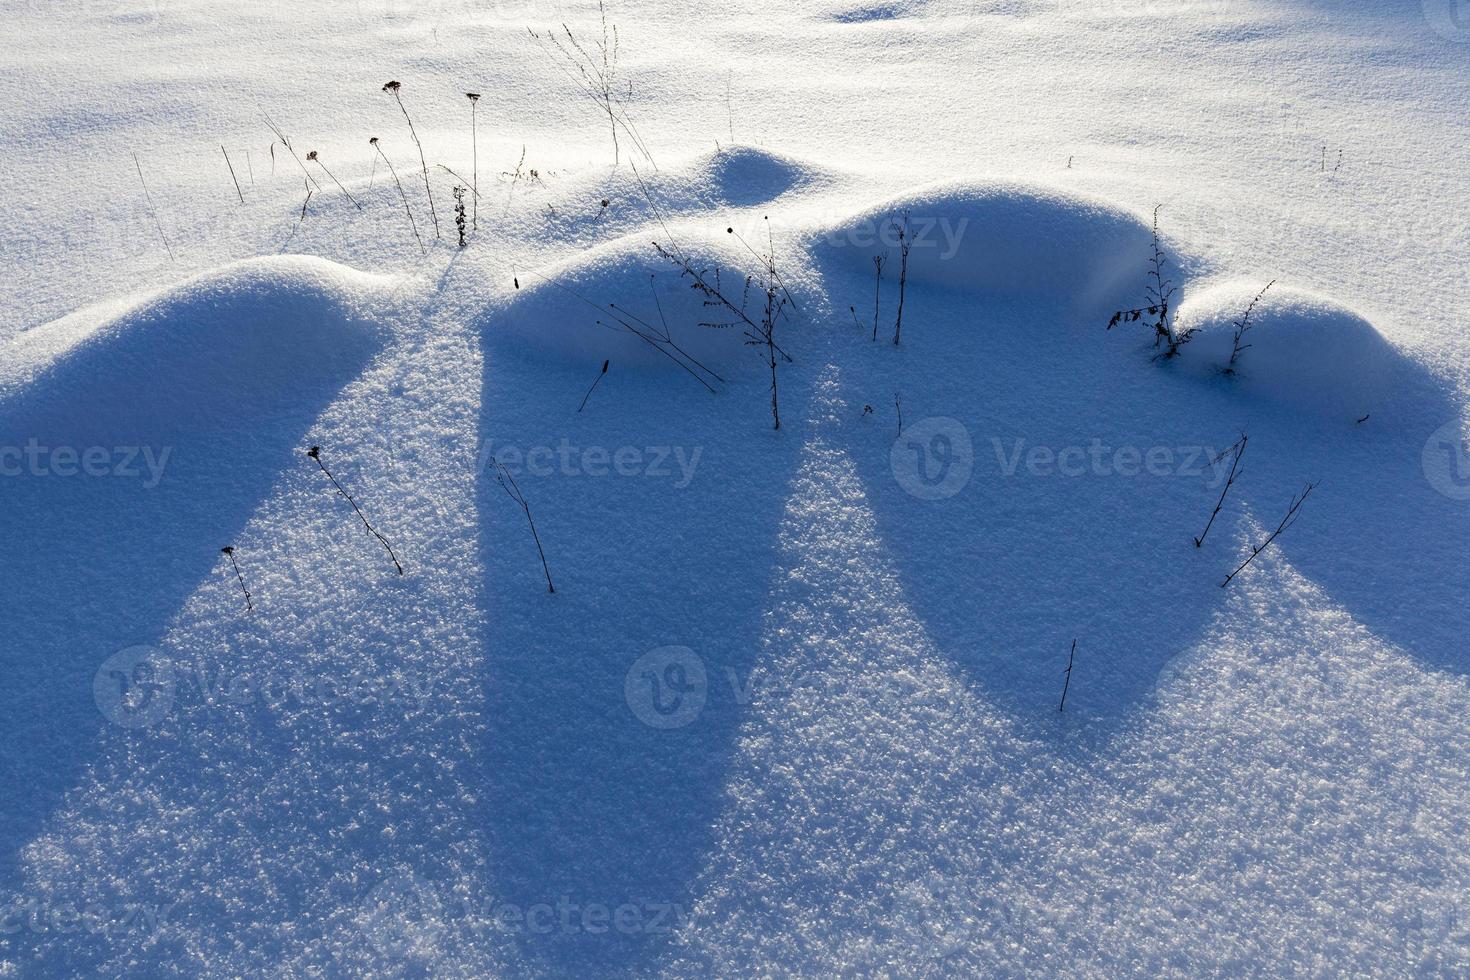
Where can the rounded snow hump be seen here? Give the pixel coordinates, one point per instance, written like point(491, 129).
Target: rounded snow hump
point(1299, 348)
point(1007, 238)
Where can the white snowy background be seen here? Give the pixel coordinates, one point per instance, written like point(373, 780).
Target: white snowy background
point(792, 708)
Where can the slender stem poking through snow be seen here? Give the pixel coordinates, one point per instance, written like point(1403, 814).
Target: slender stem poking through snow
point(401, 196)
point(1292, 513)
point(513, 490)
point(315, 452)
point(152, 210)
point(1068, 682)
point(598, 381)
point(302, 217)
point(287, 144)
point(312, 156)
point(1241, 326)
point(230, 552)
point(393, 87)
point(904, 244)
point(474, 98)
point(1238, 448)
point(878, 261)
point(232, 172)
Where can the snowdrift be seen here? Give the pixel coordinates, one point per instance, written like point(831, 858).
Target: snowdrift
point(261, 325)
point(744, 176)
point(1306, 350)
point(620, 301)
point(1000, 237)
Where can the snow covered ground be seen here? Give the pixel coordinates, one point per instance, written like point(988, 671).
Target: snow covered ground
point(792, 707)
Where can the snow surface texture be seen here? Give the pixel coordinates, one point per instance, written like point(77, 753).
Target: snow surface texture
point(792, 709)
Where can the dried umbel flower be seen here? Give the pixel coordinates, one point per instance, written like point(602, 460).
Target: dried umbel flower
point(474, 97)
point(312, 158)
point(315, 452)
point(229, 551)
point(392, 88)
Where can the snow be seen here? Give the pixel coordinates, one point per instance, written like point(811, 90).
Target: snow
point(1298, 348)
point(792, 708)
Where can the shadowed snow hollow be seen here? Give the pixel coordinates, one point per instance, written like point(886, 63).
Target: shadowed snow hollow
point(1304, 350)
point(1001, 237)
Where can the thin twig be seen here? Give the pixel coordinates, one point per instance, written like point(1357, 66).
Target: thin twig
point(152, 210)
point(1292, 513)
point(600, 375)
point(1238, 447)
point(1068, 683)
point(232, 172)
point(315, 453)
point(230, 551)
point(513, 490)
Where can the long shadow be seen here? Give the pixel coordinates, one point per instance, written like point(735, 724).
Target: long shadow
point(142, 453)
point(1027, 556)
point(590, 803)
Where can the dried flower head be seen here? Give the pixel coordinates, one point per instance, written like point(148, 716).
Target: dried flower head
point(473, 96)
point(392, 87)
point(311, 155)
point(227, 549)
point(314, 452)
point(373, 140)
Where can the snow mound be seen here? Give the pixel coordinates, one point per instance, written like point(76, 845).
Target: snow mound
point(1001, 237)
point(260, 324)
point(1306, 350)
point(744, 176)
point(625, 303)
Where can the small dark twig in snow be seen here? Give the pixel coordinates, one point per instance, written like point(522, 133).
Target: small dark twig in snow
point(401, 196)
point(312, 156)
point(1238, 448)
point(601, 374)
point(315, 452)
point(232, 173)
point(512, 490)
point(393, 88)
point(904, 244)
point(230, 551)
point(151, 209)
point(1068, 682)
point(1241, 326)
point(1292, 513)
